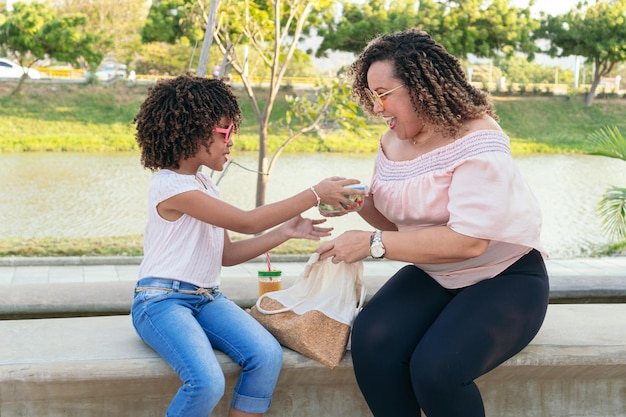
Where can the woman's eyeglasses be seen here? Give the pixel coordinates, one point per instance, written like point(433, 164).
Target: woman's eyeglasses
point(378, 98)
point(228, 132)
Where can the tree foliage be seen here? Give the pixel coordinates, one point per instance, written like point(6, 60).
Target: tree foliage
point(165, 59)
point(32, 32)
point(481, 27)
point(172, 20)
point(595, 32)
point(324, 109)
point(115, 24)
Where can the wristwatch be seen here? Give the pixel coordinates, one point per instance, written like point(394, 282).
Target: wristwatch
point(377, 249)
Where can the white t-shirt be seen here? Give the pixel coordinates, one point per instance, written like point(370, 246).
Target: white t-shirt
point(473, 186)
point(187, 249)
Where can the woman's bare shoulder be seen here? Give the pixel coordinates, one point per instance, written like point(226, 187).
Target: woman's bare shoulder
point(484, 123)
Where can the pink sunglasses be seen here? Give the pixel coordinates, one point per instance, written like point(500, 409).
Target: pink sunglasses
point(228, 132)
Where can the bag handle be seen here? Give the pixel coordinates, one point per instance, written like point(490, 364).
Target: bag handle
point(359, 305)
point(361, 302)
point(280, 310)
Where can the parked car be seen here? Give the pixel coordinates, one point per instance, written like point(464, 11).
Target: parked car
point(9, 69)
point(111, 71)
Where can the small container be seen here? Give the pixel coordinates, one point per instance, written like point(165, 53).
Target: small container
point(269, 281)
point(356, 198)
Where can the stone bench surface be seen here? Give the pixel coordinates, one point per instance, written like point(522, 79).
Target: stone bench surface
point(98, 366)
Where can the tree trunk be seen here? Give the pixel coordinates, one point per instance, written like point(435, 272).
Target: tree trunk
point(262, 175)
point(18, 88)
point(208, 39)
point(592, 91)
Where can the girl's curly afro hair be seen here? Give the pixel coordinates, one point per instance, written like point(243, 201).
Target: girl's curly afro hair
point(178, 115)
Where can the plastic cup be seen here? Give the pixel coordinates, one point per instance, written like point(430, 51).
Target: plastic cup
point(355, 198)
point(269, 281)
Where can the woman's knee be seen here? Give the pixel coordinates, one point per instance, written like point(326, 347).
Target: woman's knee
point(431, 376)
point(368, 331)
point(371, 340)
point(435, 369)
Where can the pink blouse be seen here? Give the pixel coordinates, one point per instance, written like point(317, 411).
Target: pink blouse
point(473, 186)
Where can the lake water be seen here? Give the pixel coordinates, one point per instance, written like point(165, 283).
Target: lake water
point(92, 195)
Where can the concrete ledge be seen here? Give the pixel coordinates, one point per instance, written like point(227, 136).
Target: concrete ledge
point(65, 300)
point(579, 289)
point(92, 286)
point(117, 260)
point(69, 260)
point(98, 367)
point(115, 297)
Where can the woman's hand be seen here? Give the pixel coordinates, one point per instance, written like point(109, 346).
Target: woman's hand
point(349, 247)
point(432, 245)
point(301, 228)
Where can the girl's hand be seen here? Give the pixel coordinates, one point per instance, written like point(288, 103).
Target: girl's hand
point(301, 228)
point(331, 191)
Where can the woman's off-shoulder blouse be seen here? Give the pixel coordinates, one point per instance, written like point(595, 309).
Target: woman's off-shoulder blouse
point(473, 186)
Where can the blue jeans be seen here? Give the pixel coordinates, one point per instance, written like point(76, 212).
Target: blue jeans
point(184, 328)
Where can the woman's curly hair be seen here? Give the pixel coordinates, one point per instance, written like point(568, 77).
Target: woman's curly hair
point(179, 115)
point(439, 89)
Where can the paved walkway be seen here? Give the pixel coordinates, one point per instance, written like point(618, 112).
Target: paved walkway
point(24, 271)
point(579, 273)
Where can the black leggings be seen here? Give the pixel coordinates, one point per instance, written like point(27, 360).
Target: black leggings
point(417, 346)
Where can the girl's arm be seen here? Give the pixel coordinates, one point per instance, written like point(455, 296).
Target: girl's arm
point(295, 228)
point(219, 213)
point(370, 214)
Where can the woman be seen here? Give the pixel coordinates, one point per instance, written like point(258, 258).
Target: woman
point(447, 198)
point(185, 123)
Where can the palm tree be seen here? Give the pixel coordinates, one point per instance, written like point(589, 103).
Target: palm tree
point(609, 142)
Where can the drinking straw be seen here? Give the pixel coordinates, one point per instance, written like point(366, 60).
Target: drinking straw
point(267, 258)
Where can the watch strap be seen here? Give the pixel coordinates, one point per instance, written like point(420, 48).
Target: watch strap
point(377, 248)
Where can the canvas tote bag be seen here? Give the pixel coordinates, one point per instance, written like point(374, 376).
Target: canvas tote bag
point(314, 316)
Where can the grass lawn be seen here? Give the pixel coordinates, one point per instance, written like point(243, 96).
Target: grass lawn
point(93, 118)
point(97, 118)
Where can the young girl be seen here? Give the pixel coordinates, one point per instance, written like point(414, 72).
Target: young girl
point(178, 310)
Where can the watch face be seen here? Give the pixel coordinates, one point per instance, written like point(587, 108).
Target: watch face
point(377, 251)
